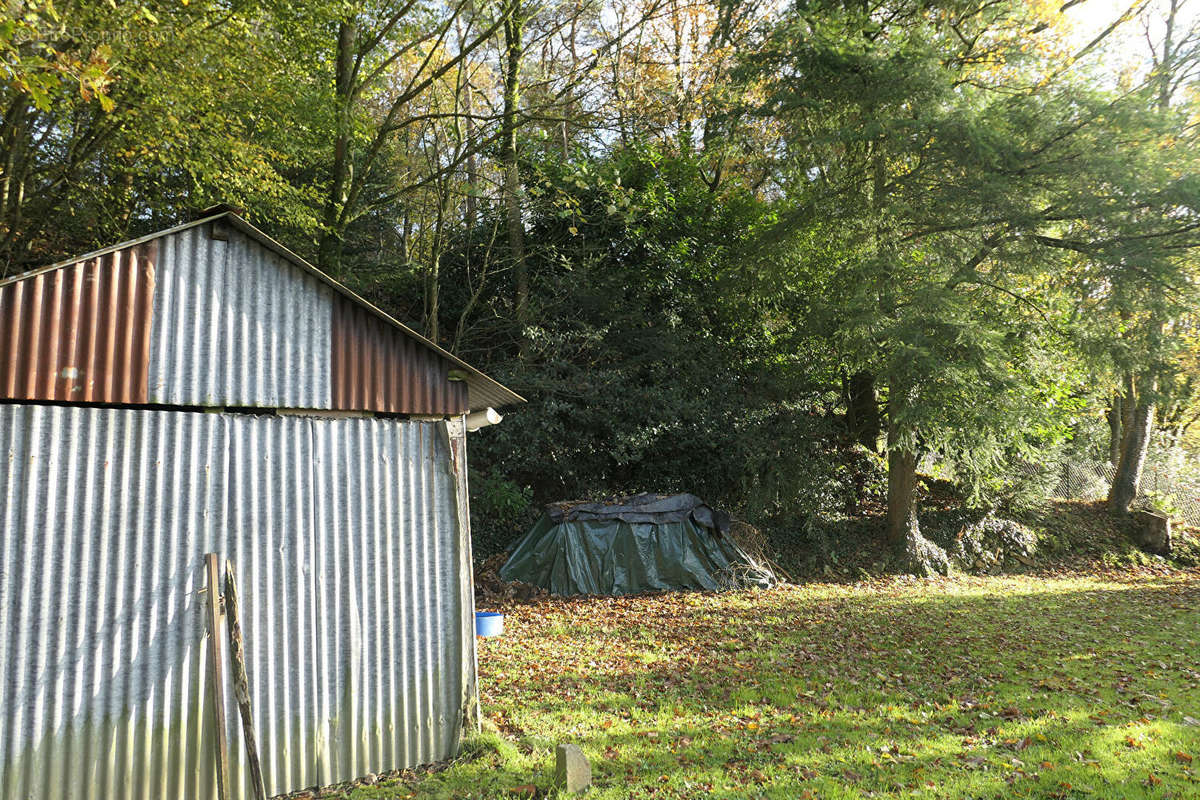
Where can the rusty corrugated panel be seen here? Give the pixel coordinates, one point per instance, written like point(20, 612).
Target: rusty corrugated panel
point(353, 564)
point(81, 332)
point(376, 367)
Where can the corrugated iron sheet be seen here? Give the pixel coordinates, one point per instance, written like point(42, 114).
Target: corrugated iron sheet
point(216, 313)
point(236, 325)
point(350, 555)
point(235, 319)
point(376, 367)
point(80, 333)
point(482, 390)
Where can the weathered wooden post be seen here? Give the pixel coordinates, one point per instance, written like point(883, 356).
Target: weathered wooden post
point(215, 669)
point(241, 685)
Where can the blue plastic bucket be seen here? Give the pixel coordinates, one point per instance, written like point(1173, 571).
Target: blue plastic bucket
point(489, 623)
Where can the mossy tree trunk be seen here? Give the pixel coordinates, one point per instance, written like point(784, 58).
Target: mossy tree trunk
point(902, 471)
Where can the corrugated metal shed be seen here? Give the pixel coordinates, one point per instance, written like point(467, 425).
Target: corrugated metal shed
point(351, 536)
point(216, 313)
point(353, 560)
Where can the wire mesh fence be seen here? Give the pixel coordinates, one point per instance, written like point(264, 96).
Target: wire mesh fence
point(1170, 483)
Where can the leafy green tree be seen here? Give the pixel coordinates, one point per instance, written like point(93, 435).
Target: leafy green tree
point(655, 361)
point(946, 166)
point(172, 111)
point(1149, 297)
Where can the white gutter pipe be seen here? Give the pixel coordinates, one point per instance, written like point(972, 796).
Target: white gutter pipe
point(481, 419)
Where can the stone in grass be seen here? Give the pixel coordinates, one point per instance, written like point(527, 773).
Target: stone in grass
point(1155, 533)
point(572, 772)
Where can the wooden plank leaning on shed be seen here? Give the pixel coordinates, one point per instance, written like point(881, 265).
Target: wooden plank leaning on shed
point(241, 685)
point(215, 668)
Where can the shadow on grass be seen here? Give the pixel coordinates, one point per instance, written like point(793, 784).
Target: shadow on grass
point(983, 689)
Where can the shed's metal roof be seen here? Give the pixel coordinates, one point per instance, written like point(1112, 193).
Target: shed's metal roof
point(482, 390)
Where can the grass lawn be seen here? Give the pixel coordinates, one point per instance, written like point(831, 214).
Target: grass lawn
point(1016, 686)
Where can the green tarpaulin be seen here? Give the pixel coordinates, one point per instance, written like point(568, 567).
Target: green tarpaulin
point(644, 543)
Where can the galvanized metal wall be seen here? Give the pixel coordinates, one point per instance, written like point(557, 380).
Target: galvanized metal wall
point(80, 333)
point(351, 552)
point(235, 324)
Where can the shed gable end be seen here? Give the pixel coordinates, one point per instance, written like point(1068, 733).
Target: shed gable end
point(237, 325)
point(215, 313)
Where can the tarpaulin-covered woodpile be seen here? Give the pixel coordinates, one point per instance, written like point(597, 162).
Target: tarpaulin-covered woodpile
point(630, 545)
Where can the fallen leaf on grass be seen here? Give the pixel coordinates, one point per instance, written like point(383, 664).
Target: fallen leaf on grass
point(1183, 758)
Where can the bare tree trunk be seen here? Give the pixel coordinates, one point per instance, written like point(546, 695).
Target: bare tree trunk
point(680, 87)
point(433, 277)
point(1134, 447)
point(406, 236)
point(465, 99)
point(433, 295)
point(902, 484)
point(514, 49)
point(11, 135)
point(13, 144)
point(1128, 408)
point(1167, 62)
point(472, 162)
point(569, 102)
point(330, 252)
point(1115, 429)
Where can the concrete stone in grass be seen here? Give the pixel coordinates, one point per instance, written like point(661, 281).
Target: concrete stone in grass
point(571, 769)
